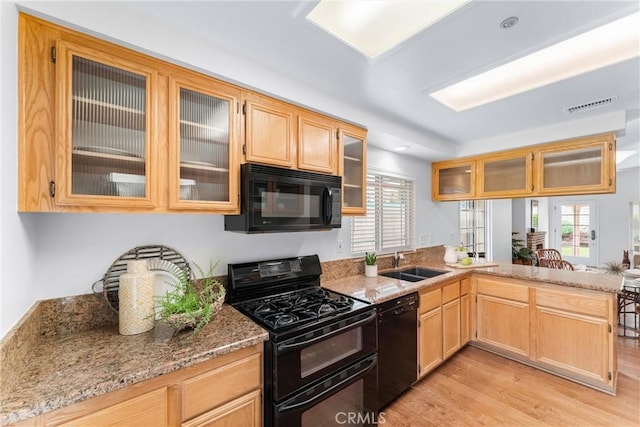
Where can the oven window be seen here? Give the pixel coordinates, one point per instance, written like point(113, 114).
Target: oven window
point(340, 408)
point(327, 352)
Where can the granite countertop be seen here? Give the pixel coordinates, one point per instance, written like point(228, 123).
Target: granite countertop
point(69, 368)
point(379, 289)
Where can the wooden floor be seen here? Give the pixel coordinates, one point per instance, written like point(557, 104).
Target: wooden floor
point(476, 387)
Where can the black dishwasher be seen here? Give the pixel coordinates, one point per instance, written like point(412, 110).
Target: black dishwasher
point(397, 347)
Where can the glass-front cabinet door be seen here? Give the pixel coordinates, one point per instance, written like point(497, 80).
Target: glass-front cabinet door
point(204, 129)
point(505, 175)
point(105, 150)
point(585, 166)
point(353, 147)
point(453, 180)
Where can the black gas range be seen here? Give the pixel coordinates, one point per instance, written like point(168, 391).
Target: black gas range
point(321, 358)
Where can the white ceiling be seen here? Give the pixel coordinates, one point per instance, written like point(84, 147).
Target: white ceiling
point(276, 35)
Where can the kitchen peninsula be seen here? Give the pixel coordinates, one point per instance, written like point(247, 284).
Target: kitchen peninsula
point(562, 322)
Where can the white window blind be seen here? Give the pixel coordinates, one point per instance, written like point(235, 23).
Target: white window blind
point(390, 221)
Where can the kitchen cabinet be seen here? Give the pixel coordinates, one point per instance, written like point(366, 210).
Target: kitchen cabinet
point(430, 331)
point(506, 173)
point(563, 330)
point(444, 324)
point(269, 131)
point(503, 314)
point(106, 151)
point(353, 169)
point(107, 129)
point(583, 165)
point(203, 155)
point(450, 319)
point(580, 166)
point(574, 333)
point(454, 180)
point(317, 143)
point(226, 390)
point(465, 311)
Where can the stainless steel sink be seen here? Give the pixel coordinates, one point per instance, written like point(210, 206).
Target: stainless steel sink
point(412, 274)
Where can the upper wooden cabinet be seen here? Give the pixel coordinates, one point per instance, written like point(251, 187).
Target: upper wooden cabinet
point(577, 166)
point(269, 131)
point(454, 180)
point(353, 169)
point(203, 126)
point(107, 129)
point(580, 166)
point(106, 115)
point(317, 143)
point(505, 174)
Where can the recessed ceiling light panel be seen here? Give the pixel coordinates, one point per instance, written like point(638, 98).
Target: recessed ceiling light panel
point(609, 44)
point(375, 26)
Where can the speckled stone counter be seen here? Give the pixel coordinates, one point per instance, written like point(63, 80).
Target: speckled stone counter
point(379, 289)
point(63, 369)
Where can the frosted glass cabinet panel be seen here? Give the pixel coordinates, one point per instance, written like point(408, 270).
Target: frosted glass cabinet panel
point(454, 180)
point(105, 129)
point(586, 167)
point(203, 144)
point(353, 146)
point(503, 175)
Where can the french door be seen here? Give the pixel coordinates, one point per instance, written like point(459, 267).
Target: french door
point(575, 232)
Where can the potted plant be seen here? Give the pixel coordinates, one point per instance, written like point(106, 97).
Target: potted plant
point(192, 303)
point(370, 268)
point(520, 254)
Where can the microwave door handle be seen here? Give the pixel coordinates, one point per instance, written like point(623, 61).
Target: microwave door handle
point(327, 205)
point(312, 401)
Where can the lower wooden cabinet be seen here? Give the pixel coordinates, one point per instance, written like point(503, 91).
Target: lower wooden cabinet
point(563, 330)
point(225, 391)
point(444, 323)
point(151, 409)
point(245, 411)
point(503, 315)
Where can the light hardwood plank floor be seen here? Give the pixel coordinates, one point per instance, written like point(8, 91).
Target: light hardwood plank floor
point(476, 388)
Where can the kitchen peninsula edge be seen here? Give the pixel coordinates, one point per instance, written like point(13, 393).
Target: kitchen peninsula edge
point(561, 322)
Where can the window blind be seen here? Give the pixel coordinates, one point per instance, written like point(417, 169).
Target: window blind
point(390, 220)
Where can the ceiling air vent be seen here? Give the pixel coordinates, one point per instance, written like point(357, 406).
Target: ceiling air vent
point(591, 105)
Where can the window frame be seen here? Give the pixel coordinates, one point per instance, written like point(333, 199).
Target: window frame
point(409, 226)
point(474, 228)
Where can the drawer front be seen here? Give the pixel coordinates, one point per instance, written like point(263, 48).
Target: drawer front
point(211, 389)
point(149, 409)
point(430, 300)
point(503, 289)
point(450, 292)
point(594, 305)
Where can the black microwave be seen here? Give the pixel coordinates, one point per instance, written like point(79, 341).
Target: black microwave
point(276, 199)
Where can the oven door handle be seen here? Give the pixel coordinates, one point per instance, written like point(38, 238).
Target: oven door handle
point(287, 347)
point(310, 402)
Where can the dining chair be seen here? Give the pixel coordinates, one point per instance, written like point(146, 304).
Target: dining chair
point(551, 258)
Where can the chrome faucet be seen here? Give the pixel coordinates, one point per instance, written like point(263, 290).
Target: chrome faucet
point(397, 257)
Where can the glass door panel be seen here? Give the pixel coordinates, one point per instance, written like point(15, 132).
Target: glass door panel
point(572, 168)
point(575, 231)
point(108, 130)
point(505, 176)
point(353, 184)
point(453, 181)
point(204, 147)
